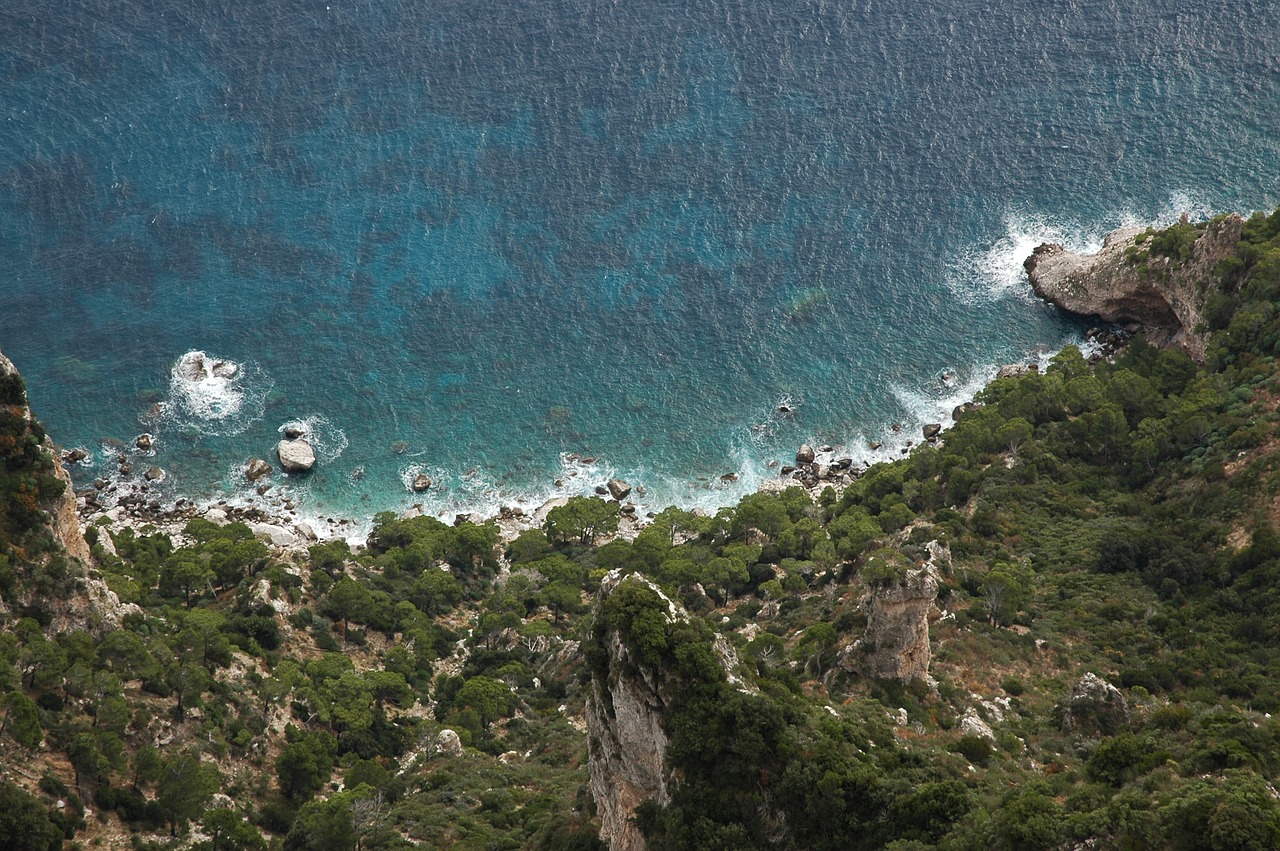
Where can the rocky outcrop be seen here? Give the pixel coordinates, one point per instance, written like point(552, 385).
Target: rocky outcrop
point(1125, 283)
point(296, 456)
point(88, 603)
point(64, 521)
point(448, 743)
point(1095, 708)
point(256, 469)
point(628, 744)
point(896, 643)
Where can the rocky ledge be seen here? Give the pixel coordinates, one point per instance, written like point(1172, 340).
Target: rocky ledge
point(1127, 283)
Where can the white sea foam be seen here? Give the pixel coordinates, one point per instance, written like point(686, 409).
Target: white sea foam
point(214, 396)
point(328, 441)
point(985, 273)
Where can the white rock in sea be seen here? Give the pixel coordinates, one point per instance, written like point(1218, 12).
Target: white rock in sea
point(296, 456)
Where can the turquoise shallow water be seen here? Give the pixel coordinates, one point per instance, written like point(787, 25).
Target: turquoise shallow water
point(493, 236)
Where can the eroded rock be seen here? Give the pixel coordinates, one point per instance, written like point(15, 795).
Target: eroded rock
point(896, 643)
point(1095, 708)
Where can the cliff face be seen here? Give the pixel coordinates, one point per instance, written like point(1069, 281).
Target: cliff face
point(89, 603)
point(64, 522)
point(627, 744)
point(896, 644)
point(1163, 297)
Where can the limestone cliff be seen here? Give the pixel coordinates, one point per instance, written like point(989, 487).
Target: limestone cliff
point(1126, 282)
point(896, 643)
point(87, 604)
point(627, 743)
point(64, 521)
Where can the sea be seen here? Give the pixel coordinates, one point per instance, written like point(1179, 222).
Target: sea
point(525, 247)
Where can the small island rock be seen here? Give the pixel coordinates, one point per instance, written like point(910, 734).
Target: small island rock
point(421, 482)
point(296, 456)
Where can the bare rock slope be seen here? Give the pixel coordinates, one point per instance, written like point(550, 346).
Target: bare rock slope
point(628, 745)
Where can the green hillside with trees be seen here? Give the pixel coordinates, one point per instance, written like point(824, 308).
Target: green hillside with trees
point(1114, 517)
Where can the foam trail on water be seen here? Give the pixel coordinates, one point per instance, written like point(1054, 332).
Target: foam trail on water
point(983, 274)
point(987, 273)
point(214, 396)
point(325, 438)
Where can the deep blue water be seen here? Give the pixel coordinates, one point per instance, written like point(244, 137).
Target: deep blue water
point(504, 232)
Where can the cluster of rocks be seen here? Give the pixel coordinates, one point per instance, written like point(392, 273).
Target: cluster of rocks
point(614, 488)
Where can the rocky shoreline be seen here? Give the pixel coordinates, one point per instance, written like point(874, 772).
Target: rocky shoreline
point(128, 499)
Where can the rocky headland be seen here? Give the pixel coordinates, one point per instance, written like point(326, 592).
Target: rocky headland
point(1157, 288)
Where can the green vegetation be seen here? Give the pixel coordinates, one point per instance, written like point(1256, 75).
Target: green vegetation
point(1115, 518)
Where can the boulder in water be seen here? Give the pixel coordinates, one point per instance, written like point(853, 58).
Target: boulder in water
point(618, 489)
point(421, 482)
point(256, 469)
point(296, 456)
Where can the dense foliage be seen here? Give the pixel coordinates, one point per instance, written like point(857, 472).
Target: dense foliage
point(1107, 516)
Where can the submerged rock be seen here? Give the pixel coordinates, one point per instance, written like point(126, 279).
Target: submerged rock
point(256, 469)
point(296, 456)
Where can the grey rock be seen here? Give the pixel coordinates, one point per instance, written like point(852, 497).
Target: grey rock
point(618, 489)
point(448, 743)
point(804, 455)
point(932, 430)
point(1095, 707)
point(277, 536)
point(1160, 296)
point(421, 482)
point(296, 456)
point(897, 632)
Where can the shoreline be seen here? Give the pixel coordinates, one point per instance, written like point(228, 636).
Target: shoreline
point(280, 516)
